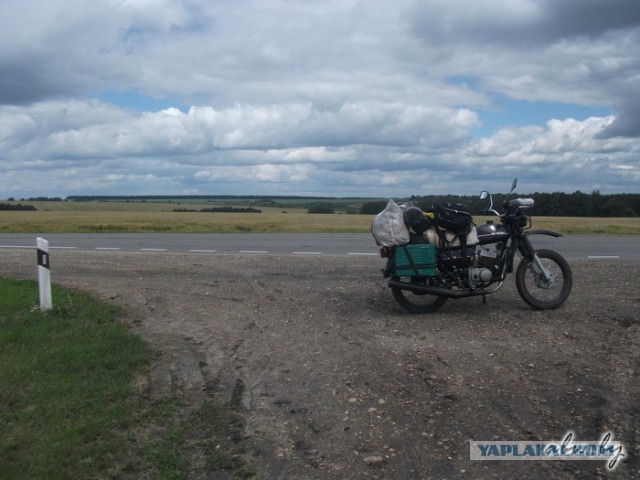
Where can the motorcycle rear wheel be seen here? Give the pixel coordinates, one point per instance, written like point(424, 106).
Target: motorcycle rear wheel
point(417, 302)
point(535, 290)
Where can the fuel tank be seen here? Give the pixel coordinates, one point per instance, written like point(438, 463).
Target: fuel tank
point(491, 232)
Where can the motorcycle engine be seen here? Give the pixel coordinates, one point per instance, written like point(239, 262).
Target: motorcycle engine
point(486, 264)
point(474, 266)
point(455, 258)
point(479, 276)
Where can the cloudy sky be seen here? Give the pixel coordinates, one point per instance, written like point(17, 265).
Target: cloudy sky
point(318, 97)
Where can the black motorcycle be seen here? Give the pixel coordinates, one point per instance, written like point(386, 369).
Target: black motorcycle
point(424, 274)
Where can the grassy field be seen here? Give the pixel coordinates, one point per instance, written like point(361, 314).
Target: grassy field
point(158, 217)
point(68, 405)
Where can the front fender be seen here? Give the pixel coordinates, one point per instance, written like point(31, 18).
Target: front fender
point(542, 232)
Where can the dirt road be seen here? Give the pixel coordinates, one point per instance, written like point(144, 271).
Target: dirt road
point(333, 380)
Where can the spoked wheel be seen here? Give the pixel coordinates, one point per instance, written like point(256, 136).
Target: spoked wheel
point(417, 302)
point(544, 291)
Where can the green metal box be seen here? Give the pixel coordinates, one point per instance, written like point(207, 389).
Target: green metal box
point(415, 260)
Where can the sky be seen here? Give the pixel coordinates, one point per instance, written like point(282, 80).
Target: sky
point(370, 98)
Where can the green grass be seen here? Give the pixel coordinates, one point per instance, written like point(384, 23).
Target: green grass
point(204, 436)
point(68, 407)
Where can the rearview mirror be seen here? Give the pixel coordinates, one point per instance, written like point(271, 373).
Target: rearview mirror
point(514, 184)
point(484, 194)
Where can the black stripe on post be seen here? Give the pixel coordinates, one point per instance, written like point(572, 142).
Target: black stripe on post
point(43, 259)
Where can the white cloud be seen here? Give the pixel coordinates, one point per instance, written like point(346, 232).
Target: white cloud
point(333, 97)
point(93, 130)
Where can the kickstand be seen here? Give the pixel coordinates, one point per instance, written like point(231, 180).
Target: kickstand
point(484, 299)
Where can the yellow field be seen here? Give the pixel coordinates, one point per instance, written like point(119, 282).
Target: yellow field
point(124, 217)
point(150, 219)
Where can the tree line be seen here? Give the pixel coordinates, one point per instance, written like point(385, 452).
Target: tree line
point(558, 204)
point(221, 210)
point(20, 207)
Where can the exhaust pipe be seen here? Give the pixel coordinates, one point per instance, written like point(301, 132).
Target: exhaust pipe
point(439, 291)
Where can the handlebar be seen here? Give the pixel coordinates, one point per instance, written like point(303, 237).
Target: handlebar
point(490, 210)
point(511, 207)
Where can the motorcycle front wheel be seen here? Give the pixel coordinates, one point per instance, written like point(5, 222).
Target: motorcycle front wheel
point(539, 292)
point(417, 302)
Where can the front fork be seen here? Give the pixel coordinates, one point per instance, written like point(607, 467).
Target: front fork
point(544, 277)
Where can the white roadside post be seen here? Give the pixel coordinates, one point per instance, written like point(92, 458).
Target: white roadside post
point(44, 276)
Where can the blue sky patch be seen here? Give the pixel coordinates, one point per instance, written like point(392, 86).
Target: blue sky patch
point(138, 102)
point(519, 113)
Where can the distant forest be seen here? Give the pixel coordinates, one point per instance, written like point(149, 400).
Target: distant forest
point(220, 210)
point(185, 198)
point(577, 204)
point(9, 206)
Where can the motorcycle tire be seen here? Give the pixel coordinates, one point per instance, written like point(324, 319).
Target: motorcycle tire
point(534, 289)
point(417, 302)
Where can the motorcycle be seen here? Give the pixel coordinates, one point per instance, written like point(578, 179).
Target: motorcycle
point(423, 276)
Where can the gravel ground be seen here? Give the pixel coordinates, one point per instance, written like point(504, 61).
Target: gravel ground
point(333, 380)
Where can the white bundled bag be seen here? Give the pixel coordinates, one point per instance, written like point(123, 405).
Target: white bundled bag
point(388, 227)
point(451, 239)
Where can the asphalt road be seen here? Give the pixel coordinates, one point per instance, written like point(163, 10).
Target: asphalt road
point(573, 247)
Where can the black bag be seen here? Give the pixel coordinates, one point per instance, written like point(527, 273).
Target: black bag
point(415, 220)
point(454, 217)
